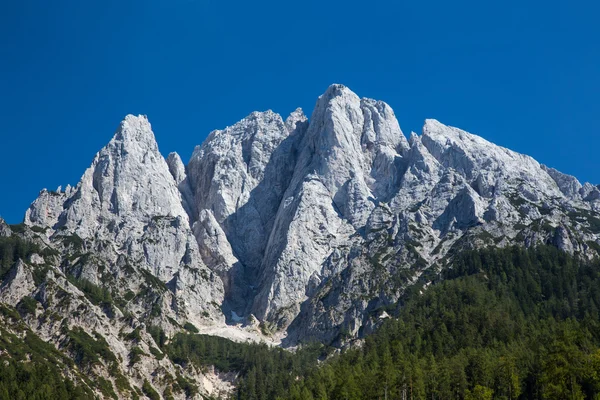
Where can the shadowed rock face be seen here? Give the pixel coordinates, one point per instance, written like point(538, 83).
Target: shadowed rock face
point(310, 226)
point(301, 208)
point(4, 229)
point(128, 206)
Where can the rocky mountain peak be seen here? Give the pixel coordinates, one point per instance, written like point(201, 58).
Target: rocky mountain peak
point(176, 167)
point(308, 225)
point(479, 160)
point(128, 180)
point(136, 129)
point(4, 228)
point(296, 121)
point(135, 201)
point(335, 90)
point(568, 185)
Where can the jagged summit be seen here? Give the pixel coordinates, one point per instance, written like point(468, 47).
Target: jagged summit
point(176, 167)
point(296, 121)
point(128, 178)
point(136, 129)
point(308, 226)
point(4, 228)
point(131, 212)
point(335, 90)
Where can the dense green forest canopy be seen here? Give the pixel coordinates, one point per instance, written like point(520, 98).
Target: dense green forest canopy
point(507, 323)
point(499, 323)
point(31, 368)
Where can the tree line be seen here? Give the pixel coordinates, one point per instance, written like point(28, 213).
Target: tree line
point(507, 323)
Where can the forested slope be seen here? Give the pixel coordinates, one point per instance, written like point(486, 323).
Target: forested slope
point(498, 323)
point(493, 323)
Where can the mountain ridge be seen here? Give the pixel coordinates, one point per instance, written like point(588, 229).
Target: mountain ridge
point(279, 230)
point(352, 148)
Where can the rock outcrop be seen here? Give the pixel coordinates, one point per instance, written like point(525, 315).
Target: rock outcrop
point(307, 229)
point(349, 176)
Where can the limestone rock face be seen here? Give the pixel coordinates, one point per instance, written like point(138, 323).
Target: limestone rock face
point(282, 208)
point(452, 190)
point(17, 283)
point(125, 231)
point(128, 180)
point(238, 177)
point(4, 229)
point(350, 155)
point(493, 168)
point(304, 227)
point(568, 185)
point(128, 210)
point(178, 172)
point(47, 208)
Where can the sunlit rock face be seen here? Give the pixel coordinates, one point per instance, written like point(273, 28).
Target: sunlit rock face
point(289, 211)
point(308, 225)
point(128, 209)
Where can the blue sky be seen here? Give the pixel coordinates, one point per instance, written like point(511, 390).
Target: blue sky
point(524, 75)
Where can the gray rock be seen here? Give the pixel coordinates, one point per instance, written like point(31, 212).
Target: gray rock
point(306, 227)
point(129, 212)
point(4, 229)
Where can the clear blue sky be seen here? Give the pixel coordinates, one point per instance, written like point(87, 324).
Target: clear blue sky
point(525, 75)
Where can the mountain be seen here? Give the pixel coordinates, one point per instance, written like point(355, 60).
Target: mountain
point(497, 323)
point(279, 230)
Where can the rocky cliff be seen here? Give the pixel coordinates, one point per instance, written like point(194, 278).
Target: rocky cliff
point(285, 230)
